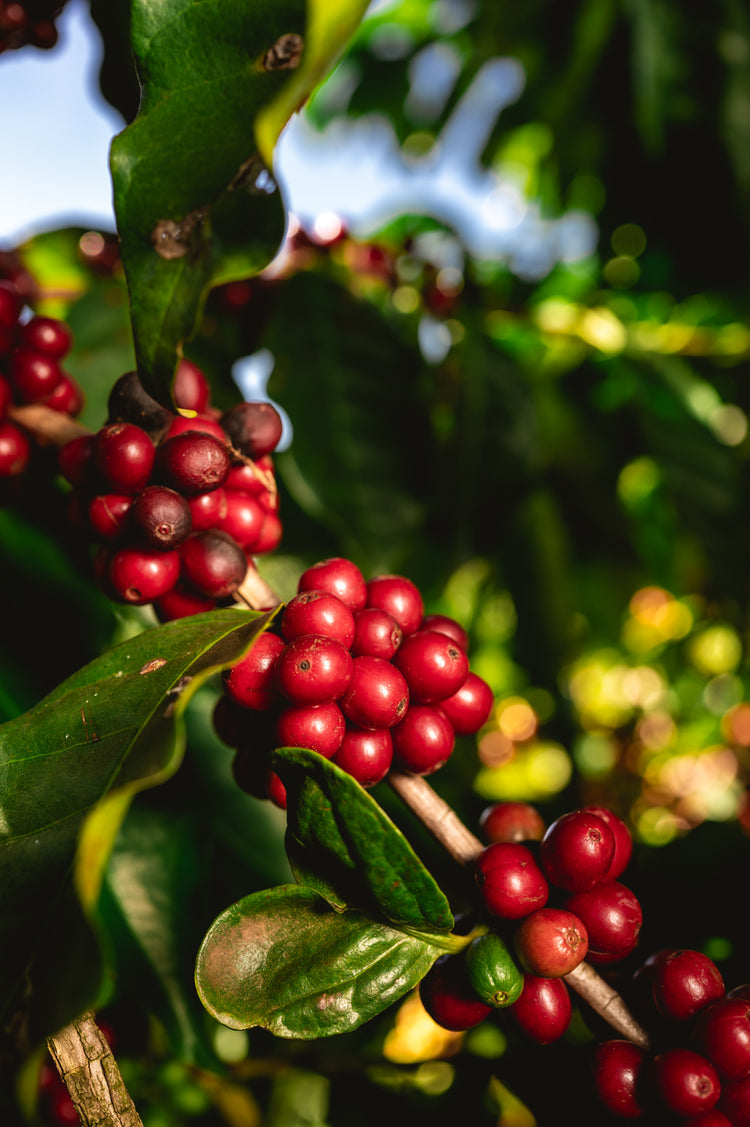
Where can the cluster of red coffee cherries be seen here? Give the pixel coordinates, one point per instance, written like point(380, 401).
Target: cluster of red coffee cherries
point(31, 352)
point(30, 22)
point(554, 896)
point(179, 503)
point(358, 673)
point(698, 1069)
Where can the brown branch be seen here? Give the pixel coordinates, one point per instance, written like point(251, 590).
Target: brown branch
point(86, 1064)
point(49, 427)
point(445, 825)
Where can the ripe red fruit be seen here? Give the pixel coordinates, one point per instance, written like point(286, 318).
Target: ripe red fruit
point(685, 981)
point(376, 634)
point(160, 517)
point(377, 696)
point(245, 479)
point(314, 669)
point(735, 1101)
point(139, 576)
point(66, 397)
point(469, 707)
point(191, 390)
point(400, 597)
point(366, 754)
point(510, 821)
point(251, 682)
point(550, 942)
point(433, 664)
point(722, 1033)
point(193, 462)
point(10, 304)
point(511, 882)
point(33, 374)
point(74, 458)
point(107, 515)
point(318, 727)
point(180, 602)
point(212, 563)
point(124, 456)
point(318, 612)
point(338, 576)
point(242, 518)
point(46, 335)
point(203, 424)
point(15, 450)
point(231, 722)
point(544, 1009)
point(445, 625)
point(448, 997)
point(207, 510)
point(576, 851)
point(612, 916)
point(253, 428)
point(623, 840)
point(423, 740)
point(269, 536)
point(619, 1068)
point(685, 1082)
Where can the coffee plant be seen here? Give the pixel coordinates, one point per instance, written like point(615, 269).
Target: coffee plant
point(375, 738)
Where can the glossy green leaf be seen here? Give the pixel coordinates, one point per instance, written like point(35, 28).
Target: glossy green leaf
point(330, 23)
point(70, 766)
point(286, 960)
point(195, 202)
point(340, 842)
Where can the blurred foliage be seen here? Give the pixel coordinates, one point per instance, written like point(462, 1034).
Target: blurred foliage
point(553, 447)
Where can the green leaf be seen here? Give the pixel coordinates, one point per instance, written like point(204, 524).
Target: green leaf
point(68, 771)
point(340, 842)
point(286, 960)
point(195, 203)
point(330, 24)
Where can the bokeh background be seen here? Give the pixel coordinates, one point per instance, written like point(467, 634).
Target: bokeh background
point(509, 330)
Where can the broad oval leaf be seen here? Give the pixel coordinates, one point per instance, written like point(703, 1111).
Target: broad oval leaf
point(340, 842)
point(70, 766)
point(286, 960)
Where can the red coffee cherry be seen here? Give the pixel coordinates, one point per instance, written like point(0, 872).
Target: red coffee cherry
point(576, 851)
point(366, 754)
point(722, 1033)
point(269, 536)
point(15, 450)
point(46, 335)
point(232, 723)
point(212, 563)
point(623, 840)
point(191, 389)
point(123, 455)
point(376, 634)
point(193, 462)
point(338, 576)
point(242, 518)
point(511, 821)
point(712, 1118)
point(246, 479)
point(433, 665)
point(207, 510)
point(314, 669)
point(33, 374)
point(107, 515)
point(400, 597)
point(11, 304)
point(275, 789)
point(445, 625)
point(423, 740)
point(252, 681)
point(544, 1009)
point(140, 575)
point(66, 397)
point(511, 882)
point(685, 1082)
point(469, 708)
point(618, 1069)
point(129, 402)
point(377, 696)
point(253, 428)
point(74, 458)
point(318, 612)
point(684, 982)
point(613, 918)
point(160, 517)
point(735, 1101)
point(317, 727)
point(203, 424)
point(180, 602)
point(6, 396)
point(448, 997)
point(550, 942)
